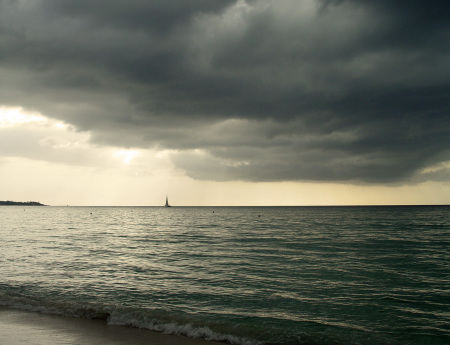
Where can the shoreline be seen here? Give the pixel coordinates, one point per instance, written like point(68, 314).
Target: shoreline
point(19, 326)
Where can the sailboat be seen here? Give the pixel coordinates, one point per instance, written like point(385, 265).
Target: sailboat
point(167, 203)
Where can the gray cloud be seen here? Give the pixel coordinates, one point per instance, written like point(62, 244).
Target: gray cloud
point(259, 90)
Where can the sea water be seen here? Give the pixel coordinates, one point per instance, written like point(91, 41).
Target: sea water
point(244, 275)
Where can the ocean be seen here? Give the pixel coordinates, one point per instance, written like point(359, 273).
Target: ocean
point(242, 275)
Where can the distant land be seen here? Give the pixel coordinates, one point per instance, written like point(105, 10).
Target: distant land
point(18, 203)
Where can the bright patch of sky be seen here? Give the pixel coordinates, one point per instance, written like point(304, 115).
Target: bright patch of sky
point(94, 175)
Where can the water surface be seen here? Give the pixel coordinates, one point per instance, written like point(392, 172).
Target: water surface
point(248, 275)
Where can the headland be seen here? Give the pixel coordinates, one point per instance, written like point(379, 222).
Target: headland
point(20, 203)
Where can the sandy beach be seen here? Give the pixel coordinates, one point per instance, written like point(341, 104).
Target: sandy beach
point(18, 327)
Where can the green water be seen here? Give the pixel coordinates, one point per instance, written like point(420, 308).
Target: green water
point(248, 275)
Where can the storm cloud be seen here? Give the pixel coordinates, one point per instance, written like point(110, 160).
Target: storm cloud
point(258, 90)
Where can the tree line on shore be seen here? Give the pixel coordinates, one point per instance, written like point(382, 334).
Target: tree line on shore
point(19, 203)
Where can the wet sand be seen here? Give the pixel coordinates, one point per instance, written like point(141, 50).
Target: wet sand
point(18, 327)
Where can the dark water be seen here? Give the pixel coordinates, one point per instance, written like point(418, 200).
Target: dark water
point(246, 275)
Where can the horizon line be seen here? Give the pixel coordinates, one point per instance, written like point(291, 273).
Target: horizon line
point(342, 205)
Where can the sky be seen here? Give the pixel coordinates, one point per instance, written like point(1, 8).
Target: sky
point(224, 102)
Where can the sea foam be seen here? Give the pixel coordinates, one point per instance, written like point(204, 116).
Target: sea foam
point(189, 330)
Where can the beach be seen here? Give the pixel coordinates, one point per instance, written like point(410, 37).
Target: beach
point(18, 327)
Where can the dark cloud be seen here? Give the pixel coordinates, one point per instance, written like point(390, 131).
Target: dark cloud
point(259, 90)
point(159, 15)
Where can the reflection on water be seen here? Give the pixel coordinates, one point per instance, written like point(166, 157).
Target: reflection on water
point(300, 275)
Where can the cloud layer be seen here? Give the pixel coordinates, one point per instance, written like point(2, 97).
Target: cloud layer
point(243, 90)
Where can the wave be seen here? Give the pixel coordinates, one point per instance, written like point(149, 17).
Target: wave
point(143, 319)
point(189, 330)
